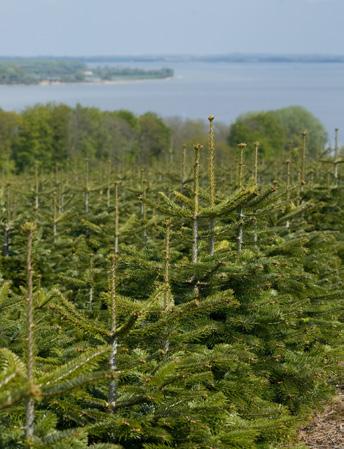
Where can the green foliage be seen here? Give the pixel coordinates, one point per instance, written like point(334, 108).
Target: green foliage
point(35, 138)
point(9, 123)
point(231, 351)
point(294, 120)
point(263, 127)
point(279, 130)
point(35, 71)
point(154, 136)
point(108, 73)
point(50, 135)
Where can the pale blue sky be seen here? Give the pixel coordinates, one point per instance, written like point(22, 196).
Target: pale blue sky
point(84, 27)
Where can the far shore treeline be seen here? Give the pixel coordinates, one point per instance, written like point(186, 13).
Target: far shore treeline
point(28, 71)
point(53, 134)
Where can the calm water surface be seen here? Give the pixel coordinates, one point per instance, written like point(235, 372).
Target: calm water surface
point(198, 89)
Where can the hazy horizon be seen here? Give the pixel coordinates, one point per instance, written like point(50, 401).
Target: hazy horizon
point(163, 54)
point(195, 27)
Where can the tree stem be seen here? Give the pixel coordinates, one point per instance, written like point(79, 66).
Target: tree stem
point(112, 397)
point(212, 183)
point(30, 404)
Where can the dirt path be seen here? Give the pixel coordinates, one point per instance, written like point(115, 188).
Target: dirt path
point(326, 431)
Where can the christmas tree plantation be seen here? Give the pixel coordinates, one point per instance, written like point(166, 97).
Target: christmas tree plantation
point(189, 305)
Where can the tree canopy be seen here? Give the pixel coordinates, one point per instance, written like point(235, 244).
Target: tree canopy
point(52, 134)
point(279, 130)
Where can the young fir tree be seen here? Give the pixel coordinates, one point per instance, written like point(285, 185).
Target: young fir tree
point(238, 365)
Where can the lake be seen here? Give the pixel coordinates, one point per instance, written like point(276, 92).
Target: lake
point(198, 89)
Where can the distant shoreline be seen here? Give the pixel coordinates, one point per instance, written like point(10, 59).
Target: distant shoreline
point(46, 72)
point(100, 82)
point(47, 83)
point(229, 57)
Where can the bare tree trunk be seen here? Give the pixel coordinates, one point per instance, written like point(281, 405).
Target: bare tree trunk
point(108, 189)
point(212, 185)
point(240, 238)
point(113, 279)
point(30, 404)
point(167, 304)
point(116, 219)
point(183, 169)
point(197, 149)
point(7, 235)
point(112, 397)
point(55, 215)
point(303, 163)
point(195, 241)
point(6, 244)
point(288, 188)
point(144, 214)
point(36, 189)
point(87, 193)
point(86, 201)
point(256, 161)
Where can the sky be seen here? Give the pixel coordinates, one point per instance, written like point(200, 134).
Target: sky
point(134, 27)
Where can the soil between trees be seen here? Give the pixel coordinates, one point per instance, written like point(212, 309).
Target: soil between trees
point(326, 430)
